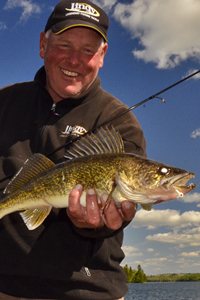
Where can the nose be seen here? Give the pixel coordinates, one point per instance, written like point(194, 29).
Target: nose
point(73, 57)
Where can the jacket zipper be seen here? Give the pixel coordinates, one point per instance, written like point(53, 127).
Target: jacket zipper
point(90, 250)
point(46, 121)
point(53, 109)
point(87, 271)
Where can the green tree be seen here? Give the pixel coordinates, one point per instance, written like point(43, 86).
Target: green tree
point(137, 276)
point(140, 276)
point(130, 273)
point(190, 277)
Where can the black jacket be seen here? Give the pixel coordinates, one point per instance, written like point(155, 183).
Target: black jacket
point(58, 260)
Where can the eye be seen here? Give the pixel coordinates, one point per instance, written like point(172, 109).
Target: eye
point(164, 170)
point(65, 45)
point(88, 51)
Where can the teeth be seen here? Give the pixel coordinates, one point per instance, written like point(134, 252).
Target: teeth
point(68, 73)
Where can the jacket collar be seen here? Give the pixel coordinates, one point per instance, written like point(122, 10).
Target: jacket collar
point(40, 78)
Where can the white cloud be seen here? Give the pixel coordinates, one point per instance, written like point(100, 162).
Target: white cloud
point(171, 218)
point(2, 26)
point(192, 71)
point(191, 198)
point(190, 254)
point(168, 30)
point(28, 7)
point(184, 239)
point(131, 251)
point(150, 250)
point(195, 134)
point(155, 262)
point(105, 4)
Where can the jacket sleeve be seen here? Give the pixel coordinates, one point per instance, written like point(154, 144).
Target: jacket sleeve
point(101, 233)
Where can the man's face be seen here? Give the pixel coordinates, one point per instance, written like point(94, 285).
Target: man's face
point(72, 60)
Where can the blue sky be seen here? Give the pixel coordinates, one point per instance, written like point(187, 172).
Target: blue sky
point(152, 44)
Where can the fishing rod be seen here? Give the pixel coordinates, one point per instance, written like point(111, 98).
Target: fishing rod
point(124, 112)
point(115, 117)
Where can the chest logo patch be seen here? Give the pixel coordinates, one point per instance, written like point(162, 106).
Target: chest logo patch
point(73, 130)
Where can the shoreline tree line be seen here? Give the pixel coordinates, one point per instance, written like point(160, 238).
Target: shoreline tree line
point(138, 276)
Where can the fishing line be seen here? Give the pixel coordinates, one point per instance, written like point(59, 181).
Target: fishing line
point(124, 112)
point(115, 117)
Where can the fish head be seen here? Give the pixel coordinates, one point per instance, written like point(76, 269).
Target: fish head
point(166, 182)
point(157, 182)
point(177, 182)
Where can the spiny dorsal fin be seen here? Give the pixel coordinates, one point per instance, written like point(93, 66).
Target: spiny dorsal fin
point(35, 165)
point(104, 141)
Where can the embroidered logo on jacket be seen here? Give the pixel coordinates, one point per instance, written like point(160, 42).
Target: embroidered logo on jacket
point(73, 130)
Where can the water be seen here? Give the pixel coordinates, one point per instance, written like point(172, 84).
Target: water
point(164, 291)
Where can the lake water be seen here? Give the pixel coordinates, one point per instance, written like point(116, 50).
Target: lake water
point(164, 291)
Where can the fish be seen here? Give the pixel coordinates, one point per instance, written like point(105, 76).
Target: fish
point(96, 161)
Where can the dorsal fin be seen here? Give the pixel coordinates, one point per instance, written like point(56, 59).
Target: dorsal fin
point(32, 167)
point(104, 141)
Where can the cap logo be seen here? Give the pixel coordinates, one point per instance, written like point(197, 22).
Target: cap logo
point(83, 8)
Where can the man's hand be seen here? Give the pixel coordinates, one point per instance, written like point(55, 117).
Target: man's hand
point(92, 216)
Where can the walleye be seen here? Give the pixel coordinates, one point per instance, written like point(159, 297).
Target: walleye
point(97, 161)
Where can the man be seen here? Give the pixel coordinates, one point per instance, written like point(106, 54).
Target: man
point(74, 254)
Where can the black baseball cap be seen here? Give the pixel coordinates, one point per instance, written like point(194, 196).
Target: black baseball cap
point(69, 13)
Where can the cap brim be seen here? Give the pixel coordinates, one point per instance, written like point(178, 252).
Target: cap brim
point(62, 26)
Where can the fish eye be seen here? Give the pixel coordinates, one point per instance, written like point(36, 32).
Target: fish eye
point(164, 170)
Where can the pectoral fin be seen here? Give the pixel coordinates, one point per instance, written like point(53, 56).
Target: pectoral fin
point(33, 218)
point(146, 207)
point(106, 205)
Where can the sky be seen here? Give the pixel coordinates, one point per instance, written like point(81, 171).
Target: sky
point(151, 45)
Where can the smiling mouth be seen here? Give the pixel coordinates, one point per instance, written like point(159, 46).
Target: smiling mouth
point(68, 73)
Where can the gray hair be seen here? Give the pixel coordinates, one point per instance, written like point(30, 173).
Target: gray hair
point(48, 33)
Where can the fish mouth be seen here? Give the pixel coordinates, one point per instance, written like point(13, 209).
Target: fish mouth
point(178, 182)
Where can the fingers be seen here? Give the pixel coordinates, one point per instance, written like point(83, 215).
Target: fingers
point(128, 210)
point(91, 216)
point(82, 217)
point(93, 212)
point(75, 210)
point(111, 216)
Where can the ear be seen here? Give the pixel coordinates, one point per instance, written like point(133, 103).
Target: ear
point(103, 52)
point(43, 43)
